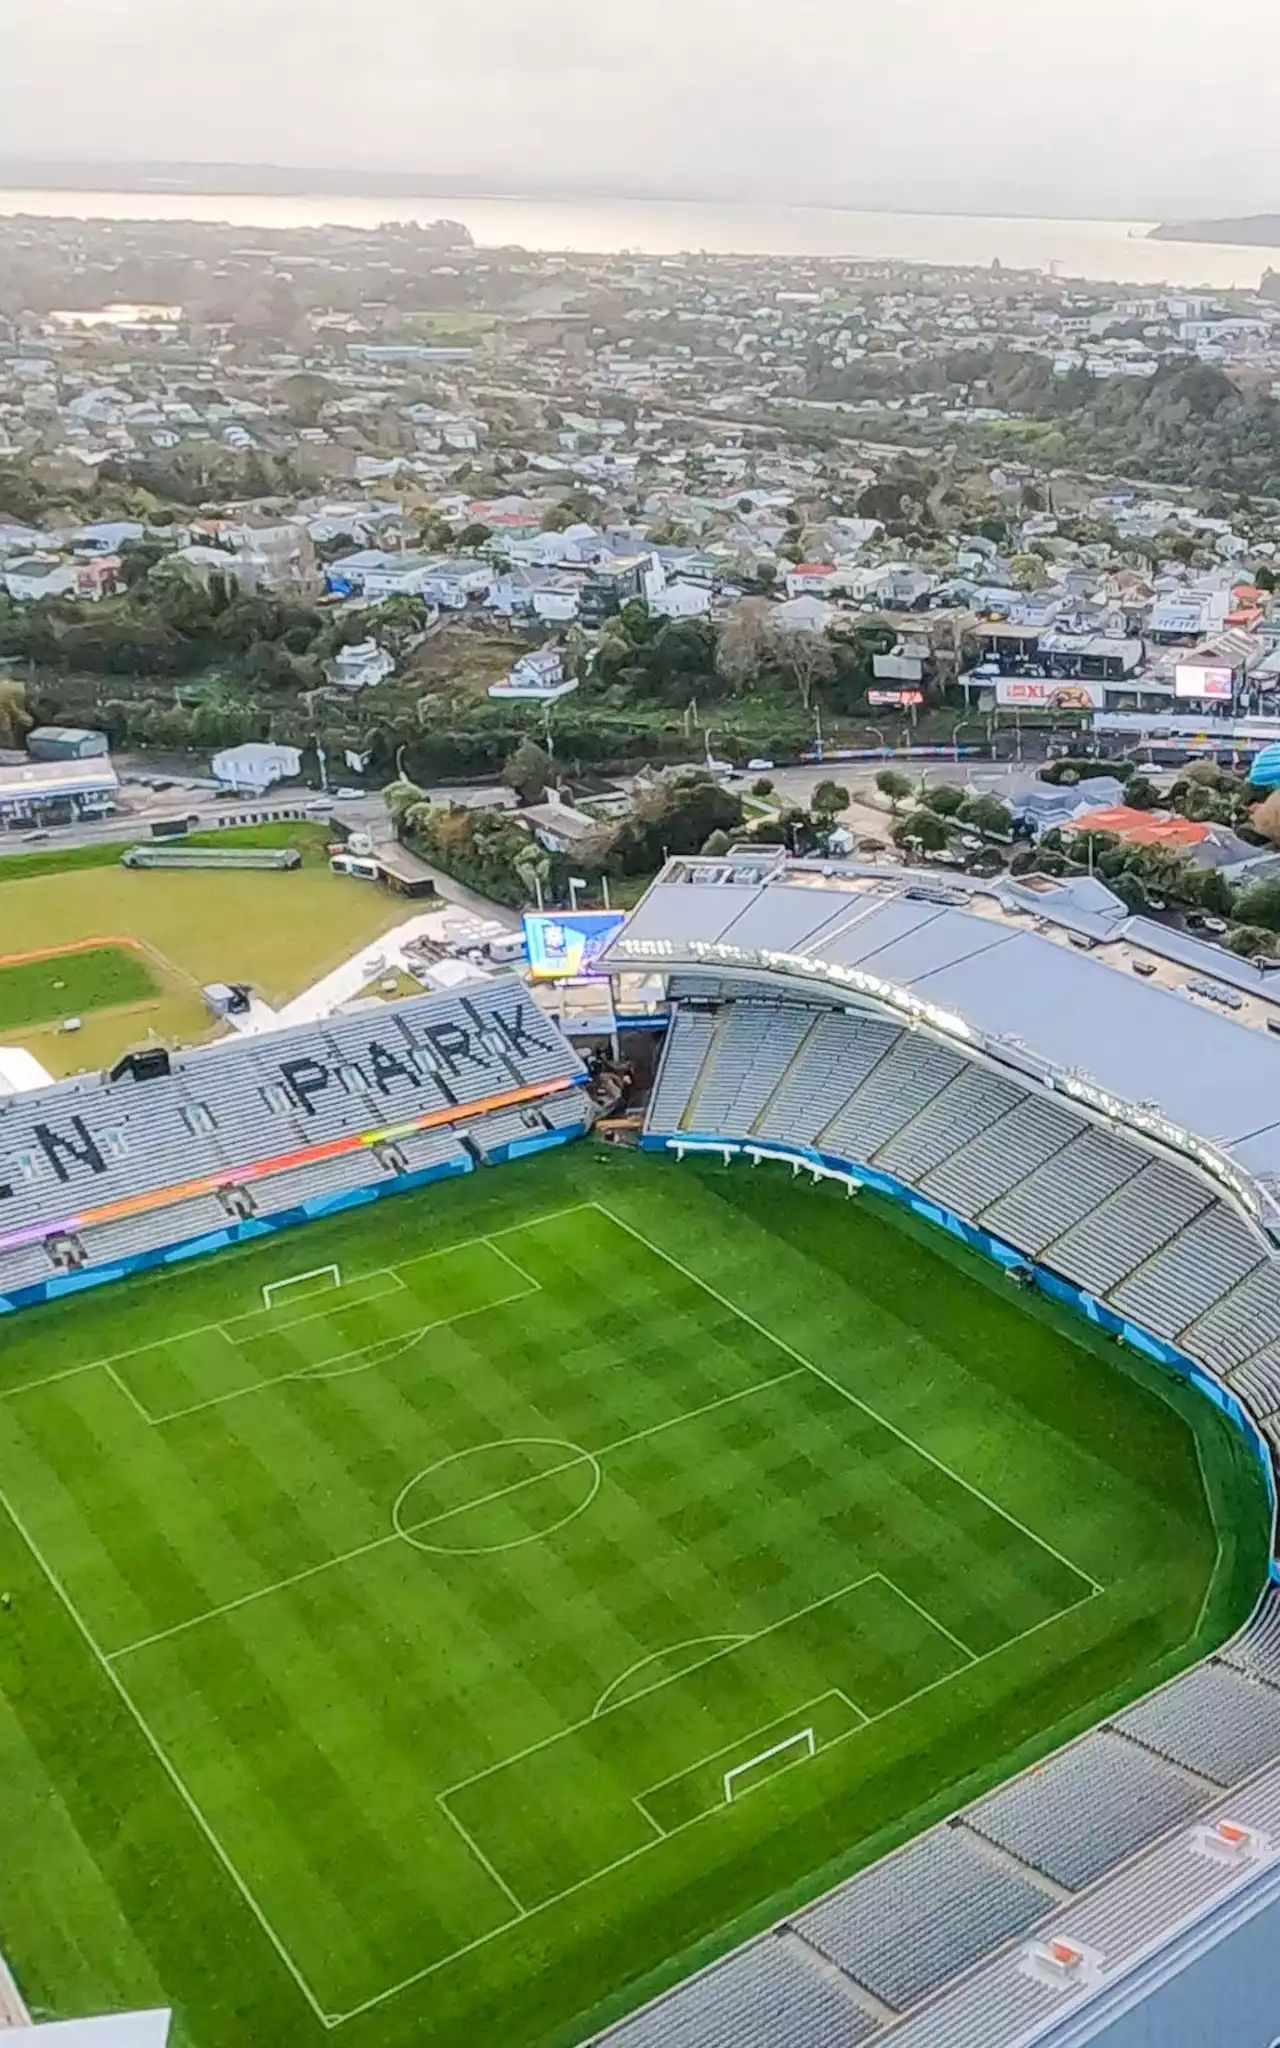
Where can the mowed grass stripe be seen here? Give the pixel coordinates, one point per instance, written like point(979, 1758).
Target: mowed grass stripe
point(333, 1711)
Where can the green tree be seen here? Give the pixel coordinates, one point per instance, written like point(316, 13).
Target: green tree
point(400, 798)
point(528, 771)
point(1141, 793)
point(829, 798)
point(717, 843)
point(1214, 893)
point(942, 797)
point(1251, 939)
point(896, 786)
point(921, 831)
point(987, 815)
point(1259, 904)
point(762, 786)
point(15, 719)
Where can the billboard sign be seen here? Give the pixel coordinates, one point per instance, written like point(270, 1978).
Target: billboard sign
point(895, 697)
point(565, 945)
point(1215, 684)
point(1048, 693)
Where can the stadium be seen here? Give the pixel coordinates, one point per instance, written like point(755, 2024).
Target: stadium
point(802, 1575)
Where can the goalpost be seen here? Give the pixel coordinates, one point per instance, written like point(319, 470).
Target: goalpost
point(802, 1739)
point(331, 1274)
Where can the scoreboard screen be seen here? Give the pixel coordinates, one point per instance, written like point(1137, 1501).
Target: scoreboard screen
point(565, 945)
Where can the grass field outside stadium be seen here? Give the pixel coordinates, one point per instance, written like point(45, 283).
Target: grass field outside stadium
point(276, 932)
point(606, 1557)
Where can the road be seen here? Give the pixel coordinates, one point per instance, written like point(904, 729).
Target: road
point(369, 814)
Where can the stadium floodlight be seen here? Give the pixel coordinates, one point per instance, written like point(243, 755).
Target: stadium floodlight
point(332, 1274)
point(803, 1738)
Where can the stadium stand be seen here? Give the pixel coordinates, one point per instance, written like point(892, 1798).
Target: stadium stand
point(1086, 1809)
point(768, 1998)
point(1216, 1722)
point(915, 1920)
point(837, 1056)
point(101, 1174)
point(936, 1053)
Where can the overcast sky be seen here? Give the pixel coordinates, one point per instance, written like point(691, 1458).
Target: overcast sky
point(1127, 108)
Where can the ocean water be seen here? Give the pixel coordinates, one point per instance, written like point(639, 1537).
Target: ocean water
point(1111, 251)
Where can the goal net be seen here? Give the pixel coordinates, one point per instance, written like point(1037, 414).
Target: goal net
point(792, 1749)
point(318, 1281)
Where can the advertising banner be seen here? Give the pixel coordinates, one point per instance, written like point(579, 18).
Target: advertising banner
point(1049, 693)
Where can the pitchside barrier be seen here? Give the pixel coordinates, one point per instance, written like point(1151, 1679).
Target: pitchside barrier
point(825, 1165)
point(58, 1285)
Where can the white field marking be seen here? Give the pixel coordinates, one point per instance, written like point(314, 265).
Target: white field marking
point(673, 1678)
point(856, 1400)
point(697, 1820)
point(1217, 1562)
point(167, 1766)
point(410, 1533)
point(333, 2020)
point(713, 1756)
point(391, 1273)
point(484, 1863)
point(766, 1756)
point(659, 1831)
point(726, 1641)
point(932, 1619)
point(395, 1536)
point(383, 1351)
point(123, 1387)
point(270, 1288)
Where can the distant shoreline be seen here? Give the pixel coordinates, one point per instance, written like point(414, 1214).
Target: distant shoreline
point(283, 181)
point(1246, 231)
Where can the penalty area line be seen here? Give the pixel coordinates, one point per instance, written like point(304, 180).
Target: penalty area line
point(855, 1400)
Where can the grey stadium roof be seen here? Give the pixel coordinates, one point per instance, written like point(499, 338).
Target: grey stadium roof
point(1007, 981)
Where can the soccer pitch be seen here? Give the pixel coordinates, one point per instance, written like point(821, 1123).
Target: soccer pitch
point(581, 1565)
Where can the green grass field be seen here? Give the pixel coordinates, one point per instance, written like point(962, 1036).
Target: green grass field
point(278, 932)
point(72, 984)
point(612, 1556)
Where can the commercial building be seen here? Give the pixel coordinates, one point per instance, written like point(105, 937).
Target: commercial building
point(52, 792)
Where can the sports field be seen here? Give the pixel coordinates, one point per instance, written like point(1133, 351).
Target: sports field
point(278, 932)
point(51, 986)
point(461, 1643)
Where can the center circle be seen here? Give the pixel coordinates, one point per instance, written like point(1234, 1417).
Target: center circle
point(543, 1480)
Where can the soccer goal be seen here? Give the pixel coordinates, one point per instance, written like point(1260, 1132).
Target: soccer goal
point(802, 1742)
point(319, 1279)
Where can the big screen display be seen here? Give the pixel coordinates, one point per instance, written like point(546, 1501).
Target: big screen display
point(1216, 684)
point(565, 945)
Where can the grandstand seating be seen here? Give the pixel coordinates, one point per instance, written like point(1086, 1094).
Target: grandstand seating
point(836, 1057)
point(1241, 1324)
point(1112, 1816)
point(910, 1923)
point(971, 1103)
point(682, 1057)
point(1064, 1191)
point(911, 1073)
point(1258, 1380)
point(766, 1998)
point(131, 1166)
point(1196, 1269)
point(1086, 1808)
point(1217, 1722)
point(1121, 1232)
point(754, 1049)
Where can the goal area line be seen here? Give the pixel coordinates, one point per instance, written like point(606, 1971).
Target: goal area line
point(331, 2019)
